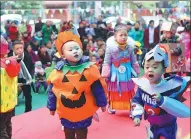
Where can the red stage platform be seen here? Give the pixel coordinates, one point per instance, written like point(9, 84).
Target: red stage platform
point(39, 124)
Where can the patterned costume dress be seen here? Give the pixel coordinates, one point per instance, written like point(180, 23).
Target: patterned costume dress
point(120, 64)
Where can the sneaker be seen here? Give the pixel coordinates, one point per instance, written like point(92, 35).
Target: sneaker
point(111, 111)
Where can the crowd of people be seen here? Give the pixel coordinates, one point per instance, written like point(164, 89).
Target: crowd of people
point(117, 63)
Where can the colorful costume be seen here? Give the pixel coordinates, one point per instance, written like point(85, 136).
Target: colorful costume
point(8, 87)
point(76, 92)
point(161, 115)
point(119, 66)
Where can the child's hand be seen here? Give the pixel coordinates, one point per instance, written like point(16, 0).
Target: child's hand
point(103, 109)
point(157, 97)
point(136, 122)
point(52, 113)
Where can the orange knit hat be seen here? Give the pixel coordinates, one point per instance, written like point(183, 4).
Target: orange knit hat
point(64, 37)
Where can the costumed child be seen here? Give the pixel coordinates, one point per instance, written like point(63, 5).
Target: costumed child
point(119, 65)
point(9, 71)
point(159, 99)
point(76, 89)
point(40, 76)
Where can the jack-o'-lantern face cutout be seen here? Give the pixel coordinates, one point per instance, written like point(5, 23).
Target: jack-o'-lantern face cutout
point(77, 98)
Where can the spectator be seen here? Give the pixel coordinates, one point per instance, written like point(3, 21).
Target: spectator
point(29, 28)
point(81, 31)
point(47, 32)
point(13, 32)
point(151, 35)
point(22, 28)
point(35, 44)
point(51, 51)
point(26, 38)
point(130, 31)
point(39, 25)
point(44, 56)
point(55, 30)
point(29, 50)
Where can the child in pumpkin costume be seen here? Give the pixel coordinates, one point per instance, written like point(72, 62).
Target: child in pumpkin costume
point(9, 71)
point(120, 64)
point(76, 88)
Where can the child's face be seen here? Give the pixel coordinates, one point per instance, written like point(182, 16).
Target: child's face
point(99, 42)
point(25, 34)
point(168, 34)
point(43, 49)
point(29, 49)
point(121, 36)
point(93, 59)
point(101, 52)
point(90, 37)
point(49, 44)
point(39, 34)
point(72, 51)
point(153, 71)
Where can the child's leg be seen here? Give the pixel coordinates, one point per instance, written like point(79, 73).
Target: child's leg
point(6, 127)
point(37, 85)
point(45, 85)
point(69, 133)
point(167, 132)
point(81, 133)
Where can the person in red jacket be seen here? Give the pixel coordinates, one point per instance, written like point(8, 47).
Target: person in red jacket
point(151, 35)
point(13, 31)
point(29, 29)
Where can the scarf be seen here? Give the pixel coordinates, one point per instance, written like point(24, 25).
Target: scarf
point(122, 46)
point(24, 73)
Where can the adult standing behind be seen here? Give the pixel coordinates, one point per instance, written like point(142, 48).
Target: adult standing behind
point(159, 27)
point(47, 31)
point(24, 78)
point(29, 28)
point(151, 35)
point(130, 31)
point(138, 36)
point(39, 25)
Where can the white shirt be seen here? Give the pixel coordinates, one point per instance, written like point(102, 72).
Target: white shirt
point(151, 35)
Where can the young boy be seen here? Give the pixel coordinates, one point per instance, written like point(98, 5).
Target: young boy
point(77, 89)
point(159, 98)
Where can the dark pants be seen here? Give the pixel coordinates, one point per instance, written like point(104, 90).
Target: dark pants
point(80, 133)
point(37, 84)
point(167, 132)
point(28, 98)
point(5, 125)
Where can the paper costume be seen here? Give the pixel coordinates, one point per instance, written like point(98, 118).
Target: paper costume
point(161, 115)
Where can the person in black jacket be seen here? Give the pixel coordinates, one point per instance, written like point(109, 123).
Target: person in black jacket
point(24, 78)
point(38, 26)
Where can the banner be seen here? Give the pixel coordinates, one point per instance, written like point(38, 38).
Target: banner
point(46, 11)
point(22, 11)
point(60, 10)
point(6, 11)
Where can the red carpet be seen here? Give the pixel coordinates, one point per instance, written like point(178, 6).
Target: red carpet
point(39, 124)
